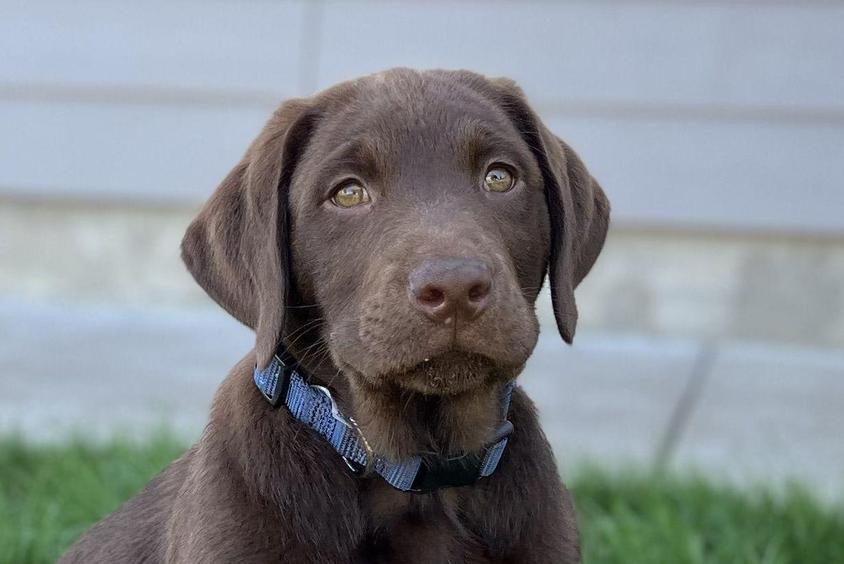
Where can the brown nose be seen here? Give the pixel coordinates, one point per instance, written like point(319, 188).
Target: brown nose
point(443, 289)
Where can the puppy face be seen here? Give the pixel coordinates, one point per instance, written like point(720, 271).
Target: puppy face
point(409, 218)
point(419, 226)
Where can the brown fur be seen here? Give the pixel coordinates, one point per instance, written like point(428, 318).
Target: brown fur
point(332, 285)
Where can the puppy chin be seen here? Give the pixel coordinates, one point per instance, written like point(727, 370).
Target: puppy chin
point(445, 374)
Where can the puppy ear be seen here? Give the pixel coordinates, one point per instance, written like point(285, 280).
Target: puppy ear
point(577, 206)
point(579, 228)
point(237, 247)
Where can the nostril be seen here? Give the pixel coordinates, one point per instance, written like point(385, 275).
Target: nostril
point(444, 289)
point(478, 292)
point(431, 296)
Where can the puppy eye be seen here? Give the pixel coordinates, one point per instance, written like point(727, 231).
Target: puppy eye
point(349, 195)
point(498, 179)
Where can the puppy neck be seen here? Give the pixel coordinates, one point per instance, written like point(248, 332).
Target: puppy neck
point(398, 423)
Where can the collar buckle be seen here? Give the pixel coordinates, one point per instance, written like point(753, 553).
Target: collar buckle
point(459, 471)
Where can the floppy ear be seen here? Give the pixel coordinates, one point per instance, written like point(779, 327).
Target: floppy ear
point(578, 208)
point(237, 247)
point(582, 226)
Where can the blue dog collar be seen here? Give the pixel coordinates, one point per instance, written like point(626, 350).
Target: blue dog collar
point(313, 405)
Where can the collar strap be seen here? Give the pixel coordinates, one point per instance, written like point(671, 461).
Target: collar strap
point(281, 383)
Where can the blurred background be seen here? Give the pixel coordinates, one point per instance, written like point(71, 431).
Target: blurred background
point(712, 327)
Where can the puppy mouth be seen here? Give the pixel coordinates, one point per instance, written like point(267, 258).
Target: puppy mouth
point(448, 373)
point(437, 360)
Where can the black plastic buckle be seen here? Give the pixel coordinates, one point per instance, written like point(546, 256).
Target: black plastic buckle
point(463, 470)
point(282, 382)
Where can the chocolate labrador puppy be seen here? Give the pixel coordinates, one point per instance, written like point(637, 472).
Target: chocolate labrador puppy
point(386, 239)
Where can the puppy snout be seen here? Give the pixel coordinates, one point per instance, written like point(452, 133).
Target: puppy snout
point(444, 289)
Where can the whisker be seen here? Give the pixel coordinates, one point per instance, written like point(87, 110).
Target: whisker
point(331, 380)
point(303, 330)
point(304, 306)
point(313, 355)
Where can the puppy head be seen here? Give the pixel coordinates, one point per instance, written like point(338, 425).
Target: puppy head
point(409, 219)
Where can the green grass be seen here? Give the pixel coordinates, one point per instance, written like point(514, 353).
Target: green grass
point(50, 494)
point(688, 520)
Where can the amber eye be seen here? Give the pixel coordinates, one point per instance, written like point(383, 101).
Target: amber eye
point(498, 179)
point(349, 195)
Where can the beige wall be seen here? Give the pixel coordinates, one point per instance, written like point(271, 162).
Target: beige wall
point(787, 289)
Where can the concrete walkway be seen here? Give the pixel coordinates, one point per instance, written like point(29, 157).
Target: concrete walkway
point(747, 412)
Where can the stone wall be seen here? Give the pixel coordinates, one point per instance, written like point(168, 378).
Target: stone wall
point(780, 288)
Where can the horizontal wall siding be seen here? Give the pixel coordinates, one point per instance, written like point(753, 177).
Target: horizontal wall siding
point(156, 45)
point(713, 53)
point(175, 154)
point(658, 172)
point(768, 175)
point(728, 115)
